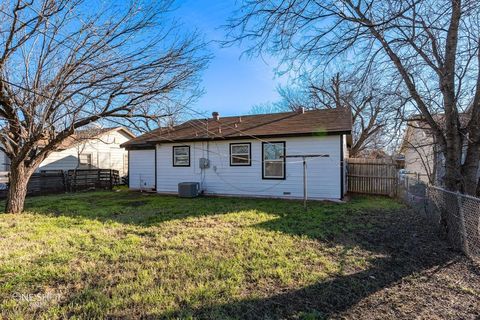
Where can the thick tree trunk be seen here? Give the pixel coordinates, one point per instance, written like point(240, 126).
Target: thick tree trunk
point(453, 156)
point(17, 190)
point(470, 170)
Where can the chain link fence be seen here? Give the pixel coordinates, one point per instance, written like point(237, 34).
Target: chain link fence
point(455, 214)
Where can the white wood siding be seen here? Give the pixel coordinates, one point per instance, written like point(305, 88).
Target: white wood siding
point(223, 179)
point(106, 154)
point(4, 162)
point(345, 166)
point(142, 169)
point(419, 153)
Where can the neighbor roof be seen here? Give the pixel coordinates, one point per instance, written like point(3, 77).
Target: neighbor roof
point(92, 133)
point(417, 122)
point(315, 122)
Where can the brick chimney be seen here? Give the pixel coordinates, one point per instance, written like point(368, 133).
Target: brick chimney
point(215, 115)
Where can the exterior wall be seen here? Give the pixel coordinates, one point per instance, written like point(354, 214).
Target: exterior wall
point(419, 154)
point(142, 169)
point(222, 179)
point(105, 151)
point(345, 164)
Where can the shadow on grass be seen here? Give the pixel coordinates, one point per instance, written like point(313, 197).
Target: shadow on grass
point(319, 301)
point(149, 209)
point(323, 220)
point(403, 245)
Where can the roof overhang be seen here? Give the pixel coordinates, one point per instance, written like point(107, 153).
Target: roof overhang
point(149, 144)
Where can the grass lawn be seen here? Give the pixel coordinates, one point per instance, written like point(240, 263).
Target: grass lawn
point(129, 255)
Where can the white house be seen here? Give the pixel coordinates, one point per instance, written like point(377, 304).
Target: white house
point(419, 151)
point(89, 148)
point(422, 153)
point(246, 155)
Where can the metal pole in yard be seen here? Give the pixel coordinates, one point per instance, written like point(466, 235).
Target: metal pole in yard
point(304, 183)
point(304, 161)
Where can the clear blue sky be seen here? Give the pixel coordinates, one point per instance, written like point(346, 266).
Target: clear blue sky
point(232, 84)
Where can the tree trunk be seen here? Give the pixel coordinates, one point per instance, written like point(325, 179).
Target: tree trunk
point(453, 177)
point(17, 190)
point(470, 170)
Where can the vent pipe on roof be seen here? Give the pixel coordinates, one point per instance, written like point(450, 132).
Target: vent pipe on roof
point(215, 115)
point(301, 110)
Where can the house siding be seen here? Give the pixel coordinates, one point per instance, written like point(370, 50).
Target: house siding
point(220, 178)
point(105, 150)
point(419, 155)
point(142, 169)
point(345, 164)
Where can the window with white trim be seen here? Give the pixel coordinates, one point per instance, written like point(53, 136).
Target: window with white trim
point(240, 154)
point(181, 156)
point(273, 155)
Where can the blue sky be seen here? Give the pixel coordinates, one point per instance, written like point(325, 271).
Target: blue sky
point(232, 84)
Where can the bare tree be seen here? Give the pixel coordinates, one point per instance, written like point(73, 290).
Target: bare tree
point(64, 66)
point(269, 107)
point(374, 106)
point(432, 46)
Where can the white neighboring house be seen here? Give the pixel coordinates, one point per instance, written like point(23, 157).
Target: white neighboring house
point(422, 153)
point(88, 149)
point(419, 150)
point(245, 155)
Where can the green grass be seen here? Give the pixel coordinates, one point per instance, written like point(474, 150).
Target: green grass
point(123, 254)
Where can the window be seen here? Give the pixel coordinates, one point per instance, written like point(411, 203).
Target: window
point(85, 160)
point(273, 160)
point(181, 156)
point(240, 154)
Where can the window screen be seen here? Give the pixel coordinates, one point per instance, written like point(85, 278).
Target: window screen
point(181, 156)
point(240, 154)
point(273, 160)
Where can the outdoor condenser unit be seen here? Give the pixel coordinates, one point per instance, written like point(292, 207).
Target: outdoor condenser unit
point(188, 189)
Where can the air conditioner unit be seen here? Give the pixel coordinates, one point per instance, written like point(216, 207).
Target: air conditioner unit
point(188, 189)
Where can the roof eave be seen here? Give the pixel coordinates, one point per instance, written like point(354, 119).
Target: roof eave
point(150, 143)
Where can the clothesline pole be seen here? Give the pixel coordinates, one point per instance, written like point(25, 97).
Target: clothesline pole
point(304, 158)
point(304, 184)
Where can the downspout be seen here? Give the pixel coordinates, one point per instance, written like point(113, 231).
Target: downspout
point(128, 167)
point(341, 168)
point(155, 184)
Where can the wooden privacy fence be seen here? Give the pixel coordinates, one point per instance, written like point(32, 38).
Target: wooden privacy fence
point(3, 184)
point(372, 176)
point(84, 179)
point(59, 181)
point(46, 182)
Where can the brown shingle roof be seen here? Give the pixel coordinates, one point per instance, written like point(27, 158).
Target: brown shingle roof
point(325, 121)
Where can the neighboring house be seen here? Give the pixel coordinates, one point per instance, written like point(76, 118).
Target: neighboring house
point(422, 154)
point(89, 149)
point(245, 155)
